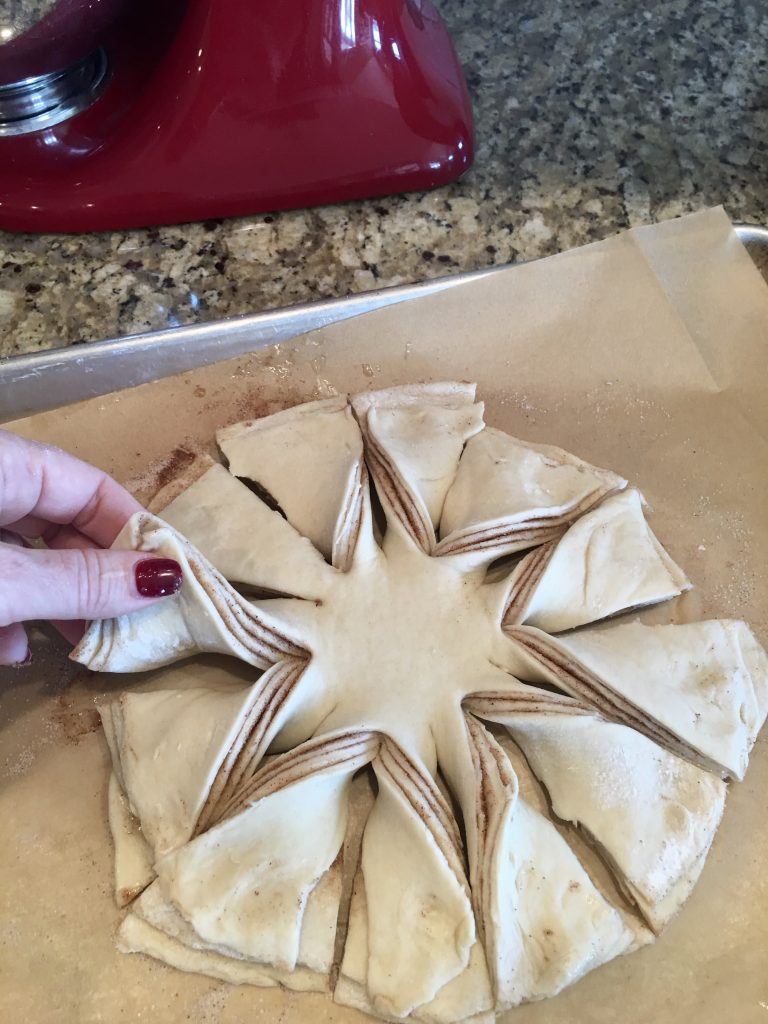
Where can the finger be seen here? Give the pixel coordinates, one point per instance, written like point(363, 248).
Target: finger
point(45, 483)
point(30, 526)
point(9, 537)
point(91, 584)
point(59, 538)
point(53, 534)
point(14, 646)
point(65, 538)
point(71, 630)
point(62, 538)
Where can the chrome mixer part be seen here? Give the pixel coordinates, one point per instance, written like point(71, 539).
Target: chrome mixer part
point(39, 102)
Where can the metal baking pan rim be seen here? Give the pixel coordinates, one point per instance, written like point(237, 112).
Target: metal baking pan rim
point(45, 380)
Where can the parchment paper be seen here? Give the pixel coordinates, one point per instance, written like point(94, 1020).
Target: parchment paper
point(646, 353)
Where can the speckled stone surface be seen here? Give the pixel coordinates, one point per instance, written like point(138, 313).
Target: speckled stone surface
point(591, 116)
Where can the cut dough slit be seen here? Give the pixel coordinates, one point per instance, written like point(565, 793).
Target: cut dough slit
point(255, 734)
point(574, 678)
point(353, 749)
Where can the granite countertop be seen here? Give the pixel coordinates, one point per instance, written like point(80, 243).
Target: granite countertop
point(590, 116)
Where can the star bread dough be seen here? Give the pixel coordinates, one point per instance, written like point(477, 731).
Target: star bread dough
point(417, 594)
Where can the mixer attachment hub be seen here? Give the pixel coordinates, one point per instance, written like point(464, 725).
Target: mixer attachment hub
point(39, 102)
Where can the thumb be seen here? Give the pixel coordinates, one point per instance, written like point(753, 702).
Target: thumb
point(80, 583)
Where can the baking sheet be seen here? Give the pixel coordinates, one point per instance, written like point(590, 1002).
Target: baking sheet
point(645, 353)
point(38, 381)
point(43, 380)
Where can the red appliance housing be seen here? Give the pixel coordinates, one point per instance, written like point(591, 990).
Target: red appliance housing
point(230, 107)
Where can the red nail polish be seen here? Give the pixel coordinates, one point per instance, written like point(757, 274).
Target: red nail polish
point(158, 577)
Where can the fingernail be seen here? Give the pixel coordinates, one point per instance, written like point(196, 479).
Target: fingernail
point(27, 660)
point(158, 577)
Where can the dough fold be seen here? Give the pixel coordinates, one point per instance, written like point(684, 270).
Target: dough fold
point(510, 495)
point(206, 615)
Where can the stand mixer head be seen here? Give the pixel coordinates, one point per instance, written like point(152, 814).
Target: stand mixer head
point(122, 113)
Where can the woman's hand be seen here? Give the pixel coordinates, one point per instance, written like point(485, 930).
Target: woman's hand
point(77, 511)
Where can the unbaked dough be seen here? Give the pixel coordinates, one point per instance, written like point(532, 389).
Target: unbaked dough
point(389, 651)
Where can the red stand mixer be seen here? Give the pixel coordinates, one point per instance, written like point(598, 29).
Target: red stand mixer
point(127, 113)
